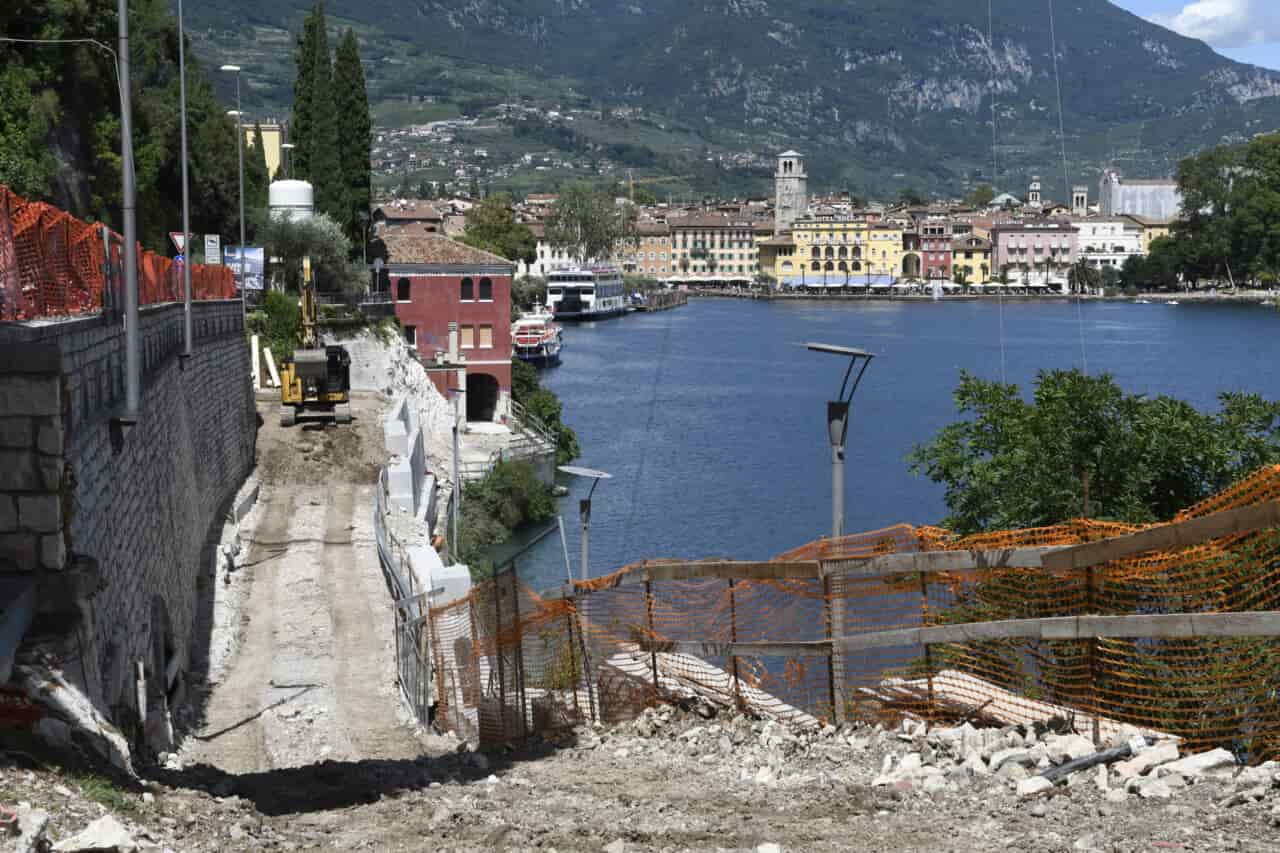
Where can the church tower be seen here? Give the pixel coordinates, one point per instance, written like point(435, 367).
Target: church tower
point(1033, 194)
point(792, 188)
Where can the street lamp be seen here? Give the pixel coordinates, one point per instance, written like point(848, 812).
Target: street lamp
point(239, 114)
point(584, 507)
point(838, 425)
point(186, 202)
point(287, 148)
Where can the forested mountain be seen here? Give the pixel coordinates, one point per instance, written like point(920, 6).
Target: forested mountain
point(871, 89)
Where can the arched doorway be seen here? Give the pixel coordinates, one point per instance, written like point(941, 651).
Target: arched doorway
point(482, 397)
point(911, 266)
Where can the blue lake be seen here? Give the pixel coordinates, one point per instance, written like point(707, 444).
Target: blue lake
point(711, 417)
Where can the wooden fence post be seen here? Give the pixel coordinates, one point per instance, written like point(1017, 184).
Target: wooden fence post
point(497, 650)
point(733, 637)
point(573, 665)
point(835, 666)
point(653, 654)
point(928, 652)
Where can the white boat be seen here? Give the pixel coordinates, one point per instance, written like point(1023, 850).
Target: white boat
point(536, 338)
point(586, 293)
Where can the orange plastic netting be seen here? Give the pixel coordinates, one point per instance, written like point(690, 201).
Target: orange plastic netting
point(54, 265)
point(510, 662)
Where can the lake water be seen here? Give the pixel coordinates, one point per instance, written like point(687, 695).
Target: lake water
point(712, 417)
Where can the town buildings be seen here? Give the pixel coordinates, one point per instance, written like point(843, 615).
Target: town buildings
point(454, 305)
point(935, 248)
point(713, 247)
point(1107, 242)
point(971, 260)
point(648, 253)
point(1033, 252)
point(791, 190)
point(1153, 199)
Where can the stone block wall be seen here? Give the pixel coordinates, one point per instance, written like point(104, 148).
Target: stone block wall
point(115, 518)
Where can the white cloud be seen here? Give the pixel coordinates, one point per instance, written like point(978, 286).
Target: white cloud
point(1226, 23)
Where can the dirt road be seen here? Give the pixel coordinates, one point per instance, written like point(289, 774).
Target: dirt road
point(313, 674)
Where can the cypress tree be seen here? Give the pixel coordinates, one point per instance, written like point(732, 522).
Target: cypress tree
point(326, 163)
point(355, 135)
point(303, 125)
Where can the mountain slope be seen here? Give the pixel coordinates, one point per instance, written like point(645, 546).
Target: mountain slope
point(869, 88)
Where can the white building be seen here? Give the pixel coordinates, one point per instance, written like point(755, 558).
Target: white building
point(1107, 242)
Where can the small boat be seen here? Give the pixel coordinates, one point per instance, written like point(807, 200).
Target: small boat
point(1173, 302)
point(1142, 302)
point(535, 338)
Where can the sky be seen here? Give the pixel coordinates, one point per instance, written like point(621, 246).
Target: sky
point(1244, 30)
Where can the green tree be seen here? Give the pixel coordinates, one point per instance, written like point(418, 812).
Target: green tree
point(1082, 446)
point(256, 178)
point(1083, 278)
point(588, 224)
point(527, 390)
point(326, 161)
point(981, 196)
point(302, 127)
point(321, 239)
point(491, 226)
point(355, 135)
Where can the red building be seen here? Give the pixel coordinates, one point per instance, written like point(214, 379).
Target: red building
point(935, 249)
point(436, 282)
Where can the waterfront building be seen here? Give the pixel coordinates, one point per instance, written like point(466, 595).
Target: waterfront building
point(713, 248)
point(1036, 252)
point(971, 259)
point(1154, 199)
point(1107, 242)
point(436, 282)
point(648, 254)
point(852, 246)
point(935, 248)
point(791, 189)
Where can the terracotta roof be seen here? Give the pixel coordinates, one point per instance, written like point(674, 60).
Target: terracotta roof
point(650, 229)
point(405, 248)
point(410, 209)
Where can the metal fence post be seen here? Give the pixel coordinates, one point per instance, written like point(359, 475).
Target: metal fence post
point(573, 664)
point(653, 653)
point(928, 651)
point(519, 646)
point(497, 648)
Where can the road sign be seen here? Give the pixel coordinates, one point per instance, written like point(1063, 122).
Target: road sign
point(213, 249)
point(180, 259)
point(179, 241)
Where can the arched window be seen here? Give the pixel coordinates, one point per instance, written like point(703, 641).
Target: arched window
point(842, 266)
point(468, 290)
point(817, 253)
point(830, 252)
point(817, 266)
point(856, 267)
point(786, 266)
point(843, 252)
point(402, 290)
point(486, 290)
point(830, 267)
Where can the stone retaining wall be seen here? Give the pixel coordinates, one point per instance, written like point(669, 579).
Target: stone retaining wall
point(111, 519)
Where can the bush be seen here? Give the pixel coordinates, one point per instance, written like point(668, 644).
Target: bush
point(527, 390)
point(510, 497)
point(278, 322)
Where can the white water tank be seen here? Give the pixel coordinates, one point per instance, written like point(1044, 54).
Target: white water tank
point(291, 199)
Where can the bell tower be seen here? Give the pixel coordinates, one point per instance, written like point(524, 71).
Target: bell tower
point(791, 184)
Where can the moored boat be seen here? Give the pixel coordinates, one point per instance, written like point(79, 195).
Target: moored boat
point(536, 338)
point(586, 293)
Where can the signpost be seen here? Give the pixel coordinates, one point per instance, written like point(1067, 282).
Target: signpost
point(213, 249)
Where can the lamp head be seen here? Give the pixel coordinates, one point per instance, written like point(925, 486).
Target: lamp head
point(233, 68)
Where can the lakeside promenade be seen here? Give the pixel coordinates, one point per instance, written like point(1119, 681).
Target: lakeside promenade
point(1237, 297)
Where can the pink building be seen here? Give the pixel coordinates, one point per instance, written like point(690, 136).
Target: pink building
point(1035, 249)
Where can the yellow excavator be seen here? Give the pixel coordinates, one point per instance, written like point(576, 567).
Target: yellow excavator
point(316, 380)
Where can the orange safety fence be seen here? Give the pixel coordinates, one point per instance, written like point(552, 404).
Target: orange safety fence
point(510, 662)
point(54, 265)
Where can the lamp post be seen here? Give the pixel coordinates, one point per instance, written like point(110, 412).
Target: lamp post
point(186, 201)
point(838, 425)
point(239, 114)
point(584, 508)
point(287, 148)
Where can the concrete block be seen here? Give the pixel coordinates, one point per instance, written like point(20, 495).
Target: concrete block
point(40, 513)
point(18, 472)
point(8, 514)
point(15, 432)
point(19, 551)
point(31, 395)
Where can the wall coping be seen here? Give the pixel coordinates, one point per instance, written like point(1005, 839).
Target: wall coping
point(33, 331)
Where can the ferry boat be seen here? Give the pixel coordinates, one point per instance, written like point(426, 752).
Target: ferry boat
point(536, 339)
point(586, 293)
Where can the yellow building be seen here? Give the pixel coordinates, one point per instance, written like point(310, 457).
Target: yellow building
point(649, 254)
point(272, 137)
point(1152, 229)
point(973, 256)
point(853, 246)
point(713, 248)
